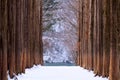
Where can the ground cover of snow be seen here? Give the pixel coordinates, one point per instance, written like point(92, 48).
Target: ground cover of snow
point(57, 73)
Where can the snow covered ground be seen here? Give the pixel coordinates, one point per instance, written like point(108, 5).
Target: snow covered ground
point(57, 73)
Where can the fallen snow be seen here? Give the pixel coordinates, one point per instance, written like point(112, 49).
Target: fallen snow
point(57, 73)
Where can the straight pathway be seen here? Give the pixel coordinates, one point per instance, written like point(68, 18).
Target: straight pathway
point(57, 73)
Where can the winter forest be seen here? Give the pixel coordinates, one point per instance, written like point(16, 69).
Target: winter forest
point(81, 33)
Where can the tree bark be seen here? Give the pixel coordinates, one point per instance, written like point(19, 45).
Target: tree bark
point(95, 38)
point(11, 35)
point(114, 55)
point(4, 38)
point(1, 43)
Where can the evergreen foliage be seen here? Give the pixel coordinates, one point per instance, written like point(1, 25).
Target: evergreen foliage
point(49, 9)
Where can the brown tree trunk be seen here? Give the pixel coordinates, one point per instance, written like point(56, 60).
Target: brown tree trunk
point(106, 37)
point(19, 36)
point(99, 39)
point(30, 24)
point(95, 38)
point(81, 30)
point(1, 43)
point(114, 55)
point(118, 36)
point(36, 23)
point(89, 60)
point(79, 45)
point(40, 34)
point(1, 47)
point(25, 34)
point(92, 33)
point(11, 35)
point(4, 39)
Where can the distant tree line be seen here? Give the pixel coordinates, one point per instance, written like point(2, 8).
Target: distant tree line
point(20, 36)
point(99, 37)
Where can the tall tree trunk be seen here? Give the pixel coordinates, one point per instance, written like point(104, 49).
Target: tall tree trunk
point(92, 33)
point(118, 36)
point(30, 24)
point(79, 45)
point(19, 36)
point(89, 60)
point(25, 34)
point(106, 37)
point(1, 43)
point(11, 35)
point(78, 59)
point(114, 55)
point(4, 39)
point(36, 23)
point(99, 36)
point(40, 34)
point(1, 47)
point(95, 38)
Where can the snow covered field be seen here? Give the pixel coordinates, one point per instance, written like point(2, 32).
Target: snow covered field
point(57, 73)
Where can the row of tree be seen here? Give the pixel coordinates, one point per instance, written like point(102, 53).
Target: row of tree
point(20, 36)
point(98, 43)
point(99, 37)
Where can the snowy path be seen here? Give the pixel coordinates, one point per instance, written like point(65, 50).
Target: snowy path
point(57, 73)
